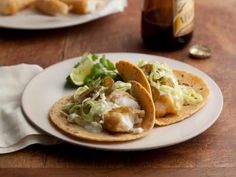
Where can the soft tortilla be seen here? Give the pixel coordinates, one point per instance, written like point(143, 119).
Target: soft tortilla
point(138, 91)
point(130, 71)
point(199, 86)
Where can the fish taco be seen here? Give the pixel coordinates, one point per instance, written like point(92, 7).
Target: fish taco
point(176, 94)
point(109, 112)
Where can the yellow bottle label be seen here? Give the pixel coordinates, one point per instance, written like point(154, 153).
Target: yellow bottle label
point(183, 17)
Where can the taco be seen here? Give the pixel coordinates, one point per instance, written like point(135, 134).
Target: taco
point(109, 112)
point(176, 94)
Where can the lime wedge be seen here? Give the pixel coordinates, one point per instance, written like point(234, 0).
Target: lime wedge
point(79, 73)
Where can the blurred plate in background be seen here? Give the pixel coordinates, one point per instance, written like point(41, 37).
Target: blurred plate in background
point(29, 19)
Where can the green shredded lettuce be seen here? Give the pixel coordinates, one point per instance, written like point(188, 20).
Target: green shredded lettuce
point(163, 78)
point(141, 63)
point(175, 93)
point(89, 112)
point(79, 91)
point(190, 95)
point(122, 86)
point(161, 72)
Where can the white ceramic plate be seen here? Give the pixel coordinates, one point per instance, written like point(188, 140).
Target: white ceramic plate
point(48, 86)
point(31, 20)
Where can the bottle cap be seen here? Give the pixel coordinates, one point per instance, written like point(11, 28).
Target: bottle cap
point(199, 51)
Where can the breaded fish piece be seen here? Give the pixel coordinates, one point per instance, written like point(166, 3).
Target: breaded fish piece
point(52, 7)
point(10, 7)
point(83, 6)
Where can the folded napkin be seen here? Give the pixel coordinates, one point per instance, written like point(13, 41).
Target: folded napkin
point(15, 131)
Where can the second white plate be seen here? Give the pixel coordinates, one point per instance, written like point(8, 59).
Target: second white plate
point(31, 20)
point(49, 86)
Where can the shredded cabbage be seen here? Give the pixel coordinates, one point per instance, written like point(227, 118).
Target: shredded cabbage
point(163, 78)
point(190, 95)
point(90, 111)
point(99, 107)
point(175, 93)
point(141, 63)
point(79, 91)
point(161, 72)
point(122, 86)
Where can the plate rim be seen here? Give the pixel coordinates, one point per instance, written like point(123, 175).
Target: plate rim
point(93, 146)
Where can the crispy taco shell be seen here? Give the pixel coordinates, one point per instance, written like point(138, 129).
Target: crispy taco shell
point(137, 90)
point(130, 71)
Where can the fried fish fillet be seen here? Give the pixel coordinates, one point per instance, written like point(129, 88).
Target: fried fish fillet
point(83, 6)
point(52, 7)
point(10, 7)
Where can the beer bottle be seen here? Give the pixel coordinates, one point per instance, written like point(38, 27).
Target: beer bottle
point(167, 24)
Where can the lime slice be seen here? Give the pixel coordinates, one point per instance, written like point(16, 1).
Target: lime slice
point(79, 73)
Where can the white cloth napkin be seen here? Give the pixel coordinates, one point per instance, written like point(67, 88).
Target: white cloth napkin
point(15, 131)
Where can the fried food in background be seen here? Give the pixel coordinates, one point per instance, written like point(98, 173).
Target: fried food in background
point(83, 6)
point(10, 7)
point(52, 7)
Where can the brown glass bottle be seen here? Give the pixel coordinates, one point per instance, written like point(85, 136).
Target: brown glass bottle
point(167, 24)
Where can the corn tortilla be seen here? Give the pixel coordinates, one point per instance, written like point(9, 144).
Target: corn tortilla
point(199, 86)
point(74, 130)
point(129, 72)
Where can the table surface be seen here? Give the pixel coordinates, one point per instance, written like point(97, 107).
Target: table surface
point(213, 153)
